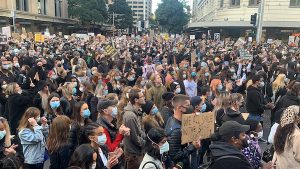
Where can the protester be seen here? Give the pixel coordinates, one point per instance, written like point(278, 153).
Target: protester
point(32, 138)
point(57, 144)
point(286, 139)
point(84, 157)
point(153, 118)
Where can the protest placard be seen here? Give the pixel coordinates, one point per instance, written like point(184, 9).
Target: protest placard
point(6, 31)
point(192, 37)
point(3, 39)
point(244, 54)
point(194, 126)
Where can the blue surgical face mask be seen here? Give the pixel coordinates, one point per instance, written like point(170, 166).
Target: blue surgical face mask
point(154, 111)
point(86, 113)
point(2, 134)
point(193, 74)
point(105, 92)
point(114, 112)
point(101, 140)
point(164, 148)
point(220, 87)
point(74, 91)
point(203, 107)
point(206, 74)
point(118, 78)
point(55, 104)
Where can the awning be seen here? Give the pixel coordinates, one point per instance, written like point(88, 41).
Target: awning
point(206, 24)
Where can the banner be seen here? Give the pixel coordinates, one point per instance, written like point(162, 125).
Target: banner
point(195, 126)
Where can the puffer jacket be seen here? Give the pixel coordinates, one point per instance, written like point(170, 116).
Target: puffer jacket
point(178, 152)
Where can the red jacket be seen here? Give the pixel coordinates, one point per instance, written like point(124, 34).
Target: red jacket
point(112, 144)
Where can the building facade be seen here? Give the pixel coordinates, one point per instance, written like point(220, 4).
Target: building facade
point(139, 8)
point(280, 17)
point(35, 15)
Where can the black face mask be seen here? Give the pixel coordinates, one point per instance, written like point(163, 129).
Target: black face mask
point(189, 110)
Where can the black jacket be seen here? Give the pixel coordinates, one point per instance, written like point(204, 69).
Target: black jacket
point(15, 108)
point(166, 113)
point(285, 101)
point(255, 101)
point(232, 115)
point(221, 149)
point(61, 158)
point(178, 152)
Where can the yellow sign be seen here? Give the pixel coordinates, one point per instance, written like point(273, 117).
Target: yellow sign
point(195, 126)
point(39, 37)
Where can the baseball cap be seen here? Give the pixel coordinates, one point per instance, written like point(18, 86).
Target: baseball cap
point(230, 128)
point(105, 103)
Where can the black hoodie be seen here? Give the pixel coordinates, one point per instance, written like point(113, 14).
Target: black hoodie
point(232, 115)
point(220, 149)
point(255, 101)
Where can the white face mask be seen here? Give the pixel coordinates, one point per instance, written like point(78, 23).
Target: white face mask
point(93, 165)
point(260, 134)
point(178, 90)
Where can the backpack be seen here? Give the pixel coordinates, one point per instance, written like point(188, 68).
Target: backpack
point(209, 164)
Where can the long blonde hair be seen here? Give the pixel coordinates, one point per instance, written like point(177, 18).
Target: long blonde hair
point(11, 89)
point(279, 82)
point(31, 112)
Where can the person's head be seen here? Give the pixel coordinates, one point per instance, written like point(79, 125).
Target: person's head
point(59, 133)
point(84, 157)
point(94, 134)
point(31, 112)
point(150, 108)
point(255, 130)
point(157, 143)
point(156, 80)
point(80, 112)
point(107, 108)
point(296, 89)
point(168, 97)
point(112, 96)
point(3, 123)
point(236, 100)
point(216, 85)
point(42, 86)
point(54, 103)
point(12, 161)
point(13, 88)
point(234, 133)
point(258, 81)
point(288, 122)
point(86, 87)
point(136, 97)
point(279, 82)
point(198, 104)
point(181, 105)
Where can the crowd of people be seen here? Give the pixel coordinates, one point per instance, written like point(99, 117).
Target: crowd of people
point(70, 102)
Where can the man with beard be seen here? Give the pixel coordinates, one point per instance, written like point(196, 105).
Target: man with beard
point(227, 145)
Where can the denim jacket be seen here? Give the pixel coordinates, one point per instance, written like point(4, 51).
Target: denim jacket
point(33, 143)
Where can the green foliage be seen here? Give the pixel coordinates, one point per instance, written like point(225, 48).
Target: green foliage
point(123, 14)
point(171, 16)
point(88, 11)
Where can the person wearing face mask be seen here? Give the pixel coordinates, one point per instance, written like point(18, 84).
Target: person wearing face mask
point(178, 152)
point(256, 104)
point(5, 73)
point(3, 98)
point(156, 150)
point(153, 118)
point(80, 118)
point(156, 91)
point(52, 81)
point(5, 139)
point(107, 113)
point(96, 138)
point(190, 84)
point(16, 104)
point(37, 73)
point(167, 110)
point(253, 151)
point(227, 144)
point(32, 138)
point(40, 99)
point(181, 77)
point(233, 112)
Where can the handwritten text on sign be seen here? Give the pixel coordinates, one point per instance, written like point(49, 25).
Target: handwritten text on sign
point(196, 126)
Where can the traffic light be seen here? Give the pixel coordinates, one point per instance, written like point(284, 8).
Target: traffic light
point(253, 19)
point(143, 24)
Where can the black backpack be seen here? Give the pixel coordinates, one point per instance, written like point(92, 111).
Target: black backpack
point(209, 164)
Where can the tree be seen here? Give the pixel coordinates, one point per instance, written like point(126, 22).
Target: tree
point(123, 14)
point(88, 11)
point(171, 16)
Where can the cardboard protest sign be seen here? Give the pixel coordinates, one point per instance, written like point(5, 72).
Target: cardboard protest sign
point(195, 126)
point(110, 51)
point(244, 54)
point(217, 36)
point(3, 39)
point(291, 41)
point(192, 37)
point(30, 35)
point(193, 57)
point(6, 31)
point(38, 37)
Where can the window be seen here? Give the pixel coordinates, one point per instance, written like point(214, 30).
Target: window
point(22, 5)
point(235, 3)
point(42, 7)
point(221, 3)
point(253, 2)
point(141, 2)
point(57, 4)
point(295, 3)
point(141, 11)
point(134, 2)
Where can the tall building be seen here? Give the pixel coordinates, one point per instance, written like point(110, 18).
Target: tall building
point(35, 15)
point(139, 8)
point(232, 17)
